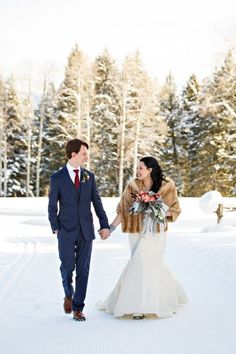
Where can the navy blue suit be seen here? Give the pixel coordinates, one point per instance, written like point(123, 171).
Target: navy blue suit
point(74, 222)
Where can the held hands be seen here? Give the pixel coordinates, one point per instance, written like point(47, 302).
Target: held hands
point(104, 233)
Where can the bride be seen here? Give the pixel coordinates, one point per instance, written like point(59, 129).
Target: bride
point(146, 286)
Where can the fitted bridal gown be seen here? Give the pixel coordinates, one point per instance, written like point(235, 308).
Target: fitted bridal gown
point(146, 285)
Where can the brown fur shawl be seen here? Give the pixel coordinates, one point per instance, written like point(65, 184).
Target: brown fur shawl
point(134, 223)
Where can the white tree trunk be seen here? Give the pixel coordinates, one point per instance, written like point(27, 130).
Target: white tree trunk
point(122, 146)
point(79, 133)
point(41, 123)
point(39, 152)
point(88, 134)
point(136, 141)
point(5, 168)
point(1, 151)
point(29, 132)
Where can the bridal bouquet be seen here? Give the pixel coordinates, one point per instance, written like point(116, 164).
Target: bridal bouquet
point(151, 205)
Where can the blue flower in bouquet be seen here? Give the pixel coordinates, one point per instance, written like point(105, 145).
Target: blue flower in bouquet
point(150, 204)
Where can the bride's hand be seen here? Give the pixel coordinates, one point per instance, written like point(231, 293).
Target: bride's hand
point(104, 233)
point(135, 197)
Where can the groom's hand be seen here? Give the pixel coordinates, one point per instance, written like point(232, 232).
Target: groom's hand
point(104, 233)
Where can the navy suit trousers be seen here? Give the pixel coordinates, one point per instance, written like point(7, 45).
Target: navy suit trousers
point(75, 255)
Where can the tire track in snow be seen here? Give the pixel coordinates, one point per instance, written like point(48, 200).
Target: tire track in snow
point(11, 276)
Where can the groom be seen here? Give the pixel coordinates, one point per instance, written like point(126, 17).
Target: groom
point(73, 188)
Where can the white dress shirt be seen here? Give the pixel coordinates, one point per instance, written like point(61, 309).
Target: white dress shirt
point(71, 171)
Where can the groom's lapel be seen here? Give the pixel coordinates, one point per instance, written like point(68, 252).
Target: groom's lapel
point(84, 188)
point(68, 182)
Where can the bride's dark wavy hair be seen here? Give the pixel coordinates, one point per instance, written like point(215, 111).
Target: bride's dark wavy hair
point(156, 174)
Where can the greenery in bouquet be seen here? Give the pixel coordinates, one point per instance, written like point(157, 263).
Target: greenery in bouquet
point(150, 204)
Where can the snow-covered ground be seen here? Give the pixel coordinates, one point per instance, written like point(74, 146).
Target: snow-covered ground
point(32, 320)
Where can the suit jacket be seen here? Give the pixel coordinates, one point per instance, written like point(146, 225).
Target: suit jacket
point(69, 210)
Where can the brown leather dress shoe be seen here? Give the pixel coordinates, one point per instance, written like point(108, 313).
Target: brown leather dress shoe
point(67, 304)
point(78, 316)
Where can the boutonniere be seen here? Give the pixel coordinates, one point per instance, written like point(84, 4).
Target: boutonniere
point(85, 177)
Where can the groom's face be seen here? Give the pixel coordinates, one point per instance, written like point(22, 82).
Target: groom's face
point(81, 157)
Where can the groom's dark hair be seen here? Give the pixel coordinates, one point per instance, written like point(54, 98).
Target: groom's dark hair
point(74, 145)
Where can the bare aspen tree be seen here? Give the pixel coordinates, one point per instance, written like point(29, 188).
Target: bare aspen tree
point(5, 166)
point(1, 150)
point(122, 144)
point(1, 139)
point(40, 139)
point(139, 111)
point(88, 130)
point(29, 123)
point(136, 143)
point(3, 146)
point(79, 111)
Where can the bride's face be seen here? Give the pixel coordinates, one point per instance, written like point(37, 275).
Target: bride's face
point(142, 171)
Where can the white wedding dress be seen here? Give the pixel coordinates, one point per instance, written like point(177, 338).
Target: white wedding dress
point(146, 285)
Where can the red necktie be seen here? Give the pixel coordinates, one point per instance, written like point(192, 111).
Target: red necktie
point(76, 178)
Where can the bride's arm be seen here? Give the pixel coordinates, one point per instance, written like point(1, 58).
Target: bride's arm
point(115, 222)
point(122, 207)
point(170, 198)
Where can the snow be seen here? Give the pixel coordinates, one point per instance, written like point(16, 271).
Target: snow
point(32, 319)
point(210, 201)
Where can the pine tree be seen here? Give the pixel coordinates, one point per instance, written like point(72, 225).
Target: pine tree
point(159, 128)
point(169, 109)
point(140, 123)
point(69, 109)
point(46, 125)
point(218, 141)
point(105, 117)
point(2, 137)
point(28, 121)
point(16, 145)
point(188, 132)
